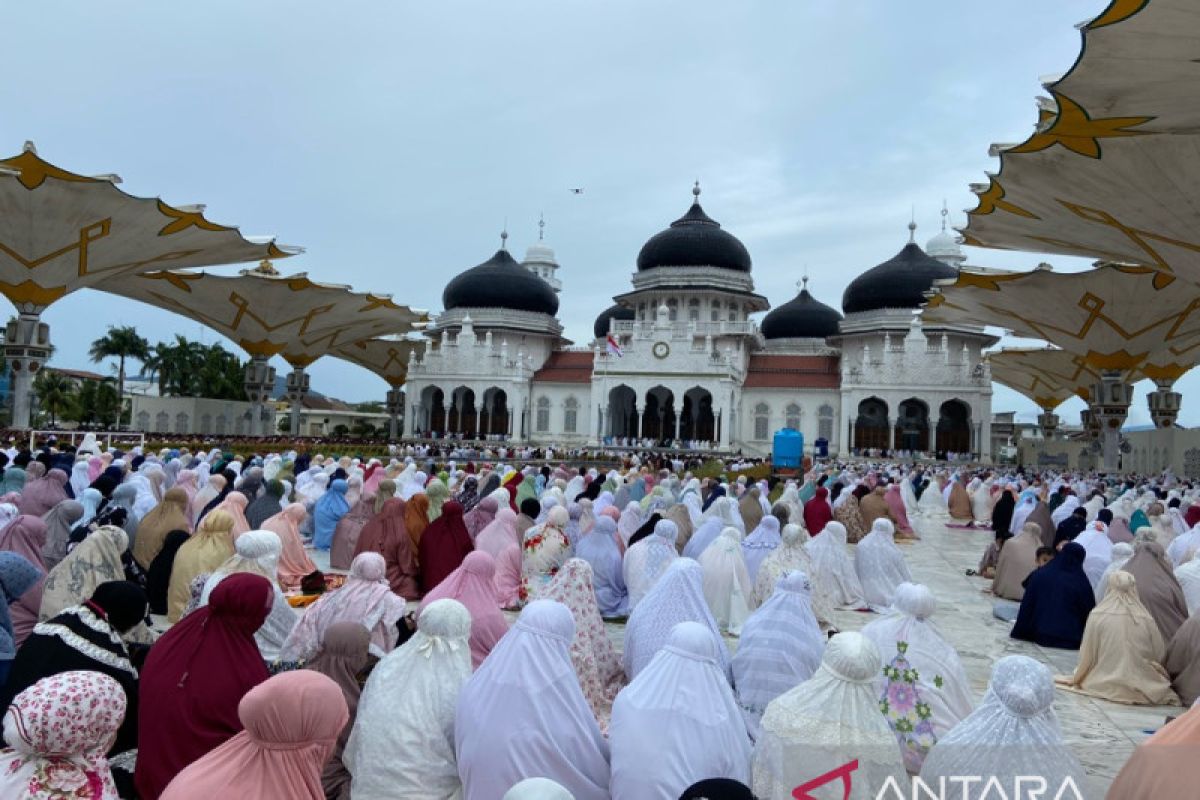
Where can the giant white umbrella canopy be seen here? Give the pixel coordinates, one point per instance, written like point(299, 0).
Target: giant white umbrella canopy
point(61, 231)
point(1123, 322)
point(268, 314)
point(1046, 375)
point(1111, 168)
point(387, 357)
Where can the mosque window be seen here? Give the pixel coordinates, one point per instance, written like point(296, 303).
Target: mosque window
point(162, 422)
point(206, 423)
point(792, 416)
point(220, 428)
point(570, 415)
point(181, 422)
point(825, 422)
point(143, 421)
point(673, 310)
point(1191, 462)
point(732, 312)
point(693, 310)
point(542, 422)
point(762, 415)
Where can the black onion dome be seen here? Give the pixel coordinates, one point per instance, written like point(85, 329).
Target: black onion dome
point(900, 282)
point(802, 317)
point(500, 282)
point(617, 312)
point(694, 240)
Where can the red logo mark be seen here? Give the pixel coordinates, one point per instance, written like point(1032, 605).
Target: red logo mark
point(801, 792)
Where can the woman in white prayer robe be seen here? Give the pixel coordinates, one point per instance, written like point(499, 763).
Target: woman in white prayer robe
point(678, 723)
point(1181, 545)
point(880, 565)
point(781, 647)
point(523, 714)
point(1188, 575)
point(706, 533)
point(727, 587)
point(833, 575)
point(1121, 553)
point(760, 544)
point(922, 706)
point(932, 504)
point(402, 744)
point(1099, 547)
point(1014, 732)
point(677, 597)
point(811, 734)
point(648, 559)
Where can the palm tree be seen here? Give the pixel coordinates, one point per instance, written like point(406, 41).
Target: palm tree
point(54, 392)
point(120, 343)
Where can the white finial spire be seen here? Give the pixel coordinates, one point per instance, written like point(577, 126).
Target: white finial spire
point(696, 192)
point(504, 237)
point(542, 225)
point(945, 213)
point(803, 286)
point(912, 226)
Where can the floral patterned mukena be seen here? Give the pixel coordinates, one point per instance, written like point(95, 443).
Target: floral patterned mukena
point(63, 725)
point(907, 714)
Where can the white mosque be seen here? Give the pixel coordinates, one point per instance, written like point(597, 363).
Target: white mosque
point(694, 369)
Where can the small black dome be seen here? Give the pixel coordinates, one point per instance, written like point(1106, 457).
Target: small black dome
point(617, 312)
point(900, 282)
point(500, 282)
point(802, 317)
point(694, 240)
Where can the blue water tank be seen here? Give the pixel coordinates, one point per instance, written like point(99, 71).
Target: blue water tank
point(788, 452)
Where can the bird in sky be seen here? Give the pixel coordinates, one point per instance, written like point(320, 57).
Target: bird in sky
point(577, 191)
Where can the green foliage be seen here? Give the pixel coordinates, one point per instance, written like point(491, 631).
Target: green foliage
point(191, 369)
point(363, 429)
point(94, 403)
point(373, 407)
point(120, 343)
point(54, 393)
point(340, 430)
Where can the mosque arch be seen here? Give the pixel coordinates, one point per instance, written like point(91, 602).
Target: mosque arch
point(206, 423)
point(696, 419)
point(433, 401)
point(181, 422)
point(622, 411)
point(912, 425)
point(954, 427)
point(871, 430)
point(494, 418)
point(659, 416)
point(143, 420)
point(162, 422)
point(461, 414)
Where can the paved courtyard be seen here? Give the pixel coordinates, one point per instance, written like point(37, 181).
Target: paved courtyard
point(1101, 733)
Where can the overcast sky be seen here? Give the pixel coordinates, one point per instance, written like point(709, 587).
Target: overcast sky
point(394, 139)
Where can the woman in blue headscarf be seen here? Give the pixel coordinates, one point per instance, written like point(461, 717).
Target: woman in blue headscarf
point(1058, 598)
point(327, 511)
point(17, 576)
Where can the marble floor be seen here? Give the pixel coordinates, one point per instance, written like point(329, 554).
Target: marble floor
point(1101, 733)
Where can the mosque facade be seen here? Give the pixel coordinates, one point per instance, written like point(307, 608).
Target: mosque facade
point(679, 359)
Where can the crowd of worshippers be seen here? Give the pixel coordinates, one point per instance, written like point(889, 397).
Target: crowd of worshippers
point(165, 631)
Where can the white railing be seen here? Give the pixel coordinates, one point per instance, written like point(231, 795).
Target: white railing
point(72, 436)
point(648, 328)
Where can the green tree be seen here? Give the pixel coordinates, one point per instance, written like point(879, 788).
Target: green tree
point(120, 343)
point(54, 393)
point(340, 430)
point(363, 429)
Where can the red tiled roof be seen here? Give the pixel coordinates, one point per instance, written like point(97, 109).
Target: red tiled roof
point(566, 366)
point(78, 374)
point(786, 372)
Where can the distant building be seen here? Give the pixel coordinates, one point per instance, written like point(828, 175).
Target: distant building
point(694, 367)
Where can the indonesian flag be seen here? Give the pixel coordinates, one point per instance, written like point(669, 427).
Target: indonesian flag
point(614, 347)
